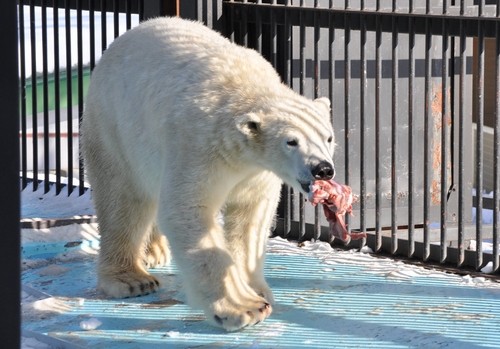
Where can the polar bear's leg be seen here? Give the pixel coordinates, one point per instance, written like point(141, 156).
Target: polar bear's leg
point(248, 216)
point(157, 250)
point(210, 276)
point(123, 224)
point(125, 216)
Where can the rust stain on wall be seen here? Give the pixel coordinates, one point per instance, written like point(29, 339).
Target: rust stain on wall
point(436, 139)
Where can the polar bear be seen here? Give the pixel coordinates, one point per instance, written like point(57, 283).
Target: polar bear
point(180, 127)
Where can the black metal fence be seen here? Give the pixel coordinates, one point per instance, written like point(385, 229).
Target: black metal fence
point(59, 44)
point(414, 86)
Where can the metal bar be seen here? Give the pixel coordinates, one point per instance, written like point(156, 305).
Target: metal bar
point(116, 19)
point(302, 59)
point(46, 150)
point(128, 14)
point(427, 132)
point(81, 174)
point(362, 126)
point(378, 79)
point(479, 150)
point(57, 97)
point(331, 65)
point(496, 189)
point(22, 61)
point(244, 29)
point(317, 226)
point(34, 104)
point(287, 78)
point(444, 141)
point(104, 41)
point(411, 73)
point(461, 161)
point(347, 124)
point(274, 38)
point(294, 12)
point(394, 139)
point(9, 177)
point(258, 28)
point(92, 33)
point(69, 97)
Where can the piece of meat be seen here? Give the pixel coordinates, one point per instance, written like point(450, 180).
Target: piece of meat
point(337, 200)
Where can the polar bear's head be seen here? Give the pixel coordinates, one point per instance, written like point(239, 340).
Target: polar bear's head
point(293, 137)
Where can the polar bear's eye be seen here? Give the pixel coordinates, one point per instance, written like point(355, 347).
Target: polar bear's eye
point(292, 143)
point(330, 139)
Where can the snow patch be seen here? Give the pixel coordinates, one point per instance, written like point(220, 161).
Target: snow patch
point(90, 324)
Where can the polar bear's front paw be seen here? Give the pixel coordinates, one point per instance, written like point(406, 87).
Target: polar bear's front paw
point(129, 284)
point(233, 317)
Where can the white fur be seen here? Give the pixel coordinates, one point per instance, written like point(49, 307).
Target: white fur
point(179, 126)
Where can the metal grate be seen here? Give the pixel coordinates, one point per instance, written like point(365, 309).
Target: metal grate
point(408, 88)
point(59, 43)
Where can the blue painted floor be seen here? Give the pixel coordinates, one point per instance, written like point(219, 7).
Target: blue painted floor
point(325, 298)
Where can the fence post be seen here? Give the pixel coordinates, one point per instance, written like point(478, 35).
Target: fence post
point(155, 8)
point(209, 12)
point(9, 177)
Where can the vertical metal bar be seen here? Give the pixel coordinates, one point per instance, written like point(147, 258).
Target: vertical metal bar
point(362, 123)
point(9, 177)
point(274, 36)
point(81, 175)
point(46, 130)
point(411, 74)
point(69, 96)
point(427, 133)
point(496, 189)
point(258, 27)
point(22, 62)
point(116, 18)
point(287, 78)
point(378, 80)
point(317, 227)
point(34, 104)
point(479, 148)
point(394, 138)
point(331, 60)
point(302, 47)
point(92, 33)
point(205, 12)
point(57, 97)
point(244, 27)
point(104, 43)
point(347, 79)
point(444, 140)
point(461, 161)
point(230, 22)
point(141, 10)
point(128, 14)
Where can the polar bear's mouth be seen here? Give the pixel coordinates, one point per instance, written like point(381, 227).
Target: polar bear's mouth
point(305, 186)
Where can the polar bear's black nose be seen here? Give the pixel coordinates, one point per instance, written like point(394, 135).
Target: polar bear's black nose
point(323, 170)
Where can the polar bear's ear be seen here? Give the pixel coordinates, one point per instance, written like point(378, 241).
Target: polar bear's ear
point(323, 103)
point(248, 124)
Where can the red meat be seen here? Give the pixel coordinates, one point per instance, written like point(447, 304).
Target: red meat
point(337, 200)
